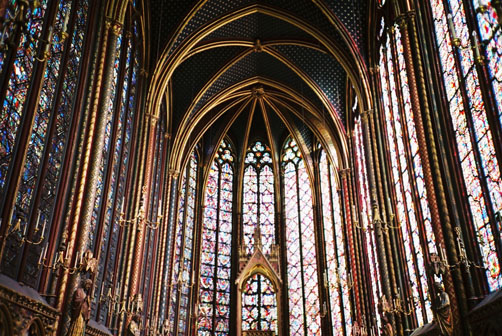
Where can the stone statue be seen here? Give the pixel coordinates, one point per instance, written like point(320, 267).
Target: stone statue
point(133, 328)
point(442, 311)
point(386, 328)
point(80, 310)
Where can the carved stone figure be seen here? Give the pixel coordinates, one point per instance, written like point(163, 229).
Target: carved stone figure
point(80, 310)
point(133, 328)
point(442, 310)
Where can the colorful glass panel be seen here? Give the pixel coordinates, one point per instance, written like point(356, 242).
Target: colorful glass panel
point(258, 197)
point(491, 38)
point(468, 140)
point(215, 262)
point(303, 291)
point(19, 82)
point(334, 245)
point(181, 281)
point(259, 305)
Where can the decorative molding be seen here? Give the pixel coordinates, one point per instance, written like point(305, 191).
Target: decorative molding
point(24, 310)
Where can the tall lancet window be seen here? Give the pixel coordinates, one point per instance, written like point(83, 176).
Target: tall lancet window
point(473, 134)
point(181, 282)
point(364, 203)
point(259, 304)
point(302, 274)
point(407, 172)
point(491, 36)
point(214, 292)
point(337, 265)
point(258, 197)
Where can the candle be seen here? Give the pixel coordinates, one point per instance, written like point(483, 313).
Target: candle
point(43, 228)
point(25, 229)
point(66, 20)
point(40, 258)
point(76, 259)
point(452, 28)
point(38, 221)
point(477, 51)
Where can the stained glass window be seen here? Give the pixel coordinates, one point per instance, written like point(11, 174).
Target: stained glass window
point(258, 197)
point(407, 172)
point(182, 265)
point(215, 262)
point(259, 304)
point(17, 89)
point(472, 132)
point(365, 212)
point(302, 274)
point(491, 37)
point(336, 273)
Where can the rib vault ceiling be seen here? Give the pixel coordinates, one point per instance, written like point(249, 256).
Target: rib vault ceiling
point(257, 70)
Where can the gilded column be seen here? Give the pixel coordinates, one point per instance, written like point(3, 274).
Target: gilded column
point(345, 174)
point(379, 226)
point(93, 151)
point(436, 197)
point(151, 121)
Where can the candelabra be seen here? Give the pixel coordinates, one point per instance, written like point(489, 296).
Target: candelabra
point(139, 217)
point(83, 262)
point(476, 43)
point(19, 20)
point(440, 262)
point(396, 306)
point(22, 235)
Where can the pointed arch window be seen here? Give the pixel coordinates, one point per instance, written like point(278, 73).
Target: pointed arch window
point(258, 197)
point(259, 304)
point(479, 164)
point(491, 36)
point(215, 260)
point(301, 268)
point(413, 213)
point(181, 282)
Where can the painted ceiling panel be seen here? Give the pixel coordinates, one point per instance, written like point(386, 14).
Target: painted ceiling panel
point(194, 73)
point(328, 74)
point(259, 64)
point(260, 26)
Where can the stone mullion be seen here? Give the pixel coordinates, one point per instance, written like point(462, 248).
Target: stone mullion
point(93, 148)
